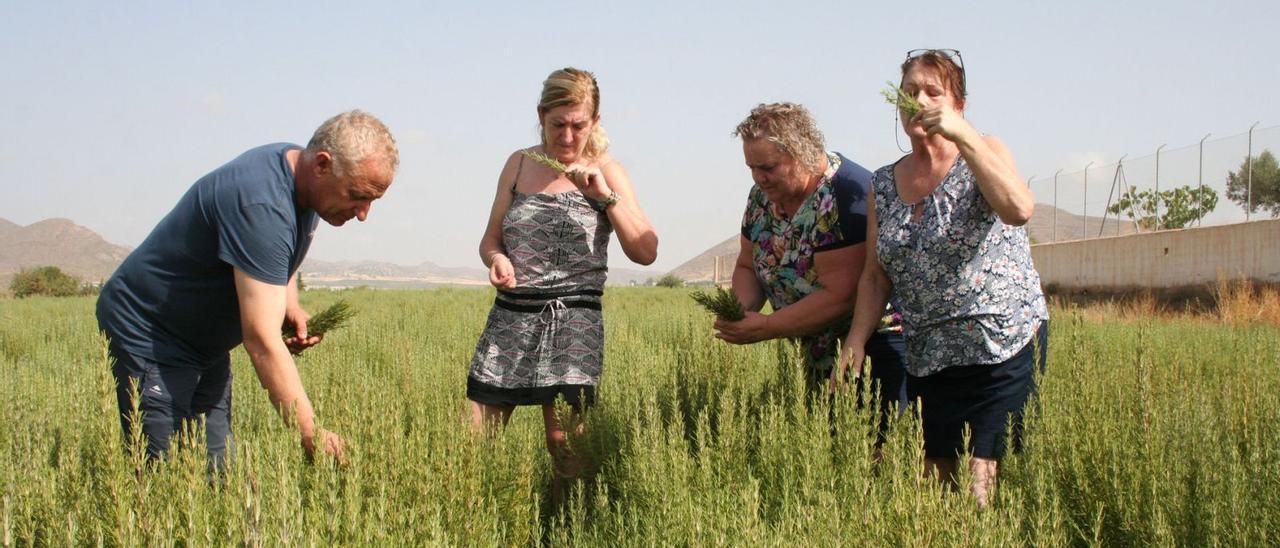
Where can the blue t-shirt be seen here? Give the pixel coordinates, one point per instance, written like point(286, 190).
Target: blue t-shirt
point(173, 300)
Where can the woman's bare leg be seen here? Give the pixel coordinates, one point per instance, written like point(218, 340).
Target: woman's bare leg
point(566, 467)
point(489, 418)
point(941, 469)
point(984, 479)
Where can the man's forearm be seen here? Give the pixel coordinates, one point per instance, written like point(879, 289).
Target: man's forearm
point(278, 374)
point(291, 293)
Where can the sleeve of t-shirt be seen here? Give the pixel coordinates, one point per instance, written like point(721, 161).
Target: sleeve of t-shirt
point(850, 187)
point(751, 213)
point(256, 238)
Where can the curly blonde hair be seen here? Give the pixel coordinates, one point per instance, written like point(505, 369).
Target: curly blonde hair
point(570, 86)
point(790, 127)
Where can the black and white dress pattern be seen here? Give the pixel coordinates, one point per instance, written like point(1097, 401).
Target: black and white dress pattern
point(545, 338)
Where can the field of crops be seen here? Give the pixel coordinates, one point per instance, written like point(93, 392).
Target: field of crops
point(1149, 431)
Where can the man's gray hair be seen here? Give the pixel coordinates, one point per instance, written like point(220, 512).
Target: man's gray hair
point(354, 137)
point(790, 127)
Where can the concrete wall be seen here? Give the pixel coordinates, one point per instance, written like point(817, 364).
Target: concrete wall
point(1169, 258)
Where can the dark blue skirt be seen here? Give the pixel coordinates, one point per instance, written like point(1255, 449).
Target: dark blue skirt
point(989, 398)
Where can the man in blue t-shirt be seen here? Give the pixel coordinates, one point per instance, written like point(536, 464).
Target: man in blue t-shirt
point(221, 269)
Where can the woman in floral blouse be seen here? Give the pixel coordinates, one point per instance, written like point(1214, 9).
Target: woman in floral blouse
point(953, 258)
point(803, 245)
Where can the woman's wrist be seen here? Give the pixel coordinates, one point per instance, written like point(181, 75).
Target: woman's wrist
point(768, 329)
point(609, 200)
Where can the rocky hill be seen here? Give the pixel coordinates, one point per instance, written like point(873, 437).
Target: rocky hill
point(75, 249)
point(700, 269)
point(1071, 226)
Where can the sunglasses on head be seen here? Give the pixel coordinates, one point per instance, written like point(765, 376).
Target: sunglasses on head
point(952, 55)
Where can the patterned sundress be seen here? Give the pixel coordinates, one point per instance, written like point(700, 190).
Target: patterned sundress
point(962, 279)
point(545, 338)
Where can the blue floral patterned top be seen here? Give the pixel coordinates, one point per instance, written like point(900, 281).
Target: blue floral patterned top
point(962, 279)
point(833, 216)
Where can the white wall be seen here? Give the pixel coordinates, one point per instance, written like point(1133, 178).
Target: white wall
point(1169, 258)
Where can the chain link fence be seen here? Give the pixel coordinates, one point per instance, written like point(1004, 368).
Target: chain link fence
point(1082, 196)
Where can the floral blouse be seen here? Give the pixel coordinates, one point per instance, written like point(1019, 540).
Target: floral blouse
point(964, 281)
point(783, 248)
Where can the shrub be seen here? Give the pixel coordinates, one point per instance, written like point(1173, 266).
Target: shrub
point(670, 280)
point(50, 281)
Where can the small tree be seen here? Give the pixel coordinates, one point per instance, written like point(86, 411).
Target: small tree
point(46, 280)
point(1266, 184)
point(1181, 206)
point(670, 280)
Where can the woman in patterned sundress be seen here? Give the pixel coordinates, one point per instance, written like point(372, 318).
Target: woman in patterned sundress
point(946, 228)
point(545, 246)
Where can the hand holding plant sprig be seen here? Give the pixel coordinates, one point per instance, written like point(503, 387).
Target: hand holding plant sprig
point(734, 323)
point(589, 180)
point(552, 163)
point(722, 302)
point(936, 120)
point(895, 96)
point(334, 317)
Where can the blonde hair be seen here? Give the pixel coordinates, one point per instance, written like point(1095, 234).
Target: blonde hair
point(570, 86)
point(788, 126)
point(352, 138)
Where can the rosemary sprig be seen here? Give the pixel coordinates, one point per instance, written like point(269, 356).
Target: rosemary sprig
point(337, 315)
point(898, 98)
point(721, 302)
point(544, 160)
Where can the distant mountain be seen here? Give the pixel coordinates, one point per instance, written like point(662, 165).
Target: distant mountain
point(631, 276)
point(335, 274)
point(75, 249)
point(6, 227)
point(339, 274)
point(702, 268)
point(1041, 229)
point(1071, 226)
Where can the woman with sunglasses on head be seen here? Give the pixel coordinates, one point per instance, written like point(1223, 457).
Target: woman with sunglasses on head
point(946, 227)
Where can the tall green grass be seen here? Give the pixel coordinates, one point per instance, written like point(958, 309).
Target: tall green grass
point(1148, 432)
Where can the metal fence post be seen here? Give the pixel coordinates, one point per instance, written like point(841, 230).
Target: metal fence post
point(1200, 181)
point(1248, 159)
point(1123, 182)
point(1055, 204)
point(1159, 226)
point(1084, 207)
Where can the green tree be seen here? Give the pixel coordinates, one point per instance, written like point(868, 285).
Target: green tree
point(670, 280)
point(46, 280)
point(1179, 206)
point(1266, 184)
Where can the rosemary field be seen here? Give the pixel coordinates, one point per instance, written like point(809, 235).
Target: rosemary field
point(1148, 431)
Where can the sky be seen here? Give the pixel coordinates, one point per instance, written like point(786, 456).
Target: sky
point(112, 109)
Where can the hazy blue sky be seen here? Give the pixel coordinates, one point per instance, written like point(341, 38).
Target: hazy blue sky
point(112, 109)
